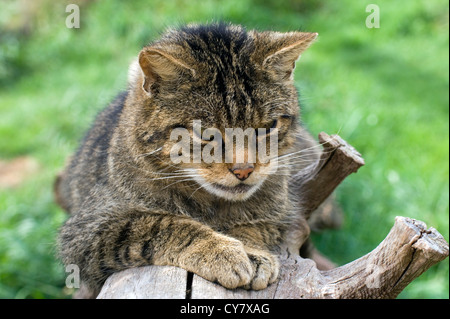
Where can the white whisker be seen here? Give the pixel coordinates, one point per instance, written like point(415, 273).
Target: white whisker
point(167, 177)
point(312, 148)
point(201, 186)
point(183, 180)
point(150, 153)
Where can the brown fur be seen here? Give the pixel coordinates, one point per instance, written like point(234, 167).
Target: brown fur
point(129, 204)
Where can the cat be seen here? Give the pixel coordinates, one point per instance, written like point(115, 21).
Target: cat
point(130, 205)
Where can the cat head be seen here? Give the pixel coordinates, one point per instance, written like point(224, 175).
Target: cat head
point(224, 78)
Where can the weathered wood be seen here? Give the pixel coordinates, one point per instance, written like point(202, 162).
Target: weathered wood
point(154, 282)
point(408, 250)
point(315, 183)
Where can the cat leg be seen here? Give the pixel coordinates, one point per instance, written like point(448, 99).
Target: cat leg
point(105, 242)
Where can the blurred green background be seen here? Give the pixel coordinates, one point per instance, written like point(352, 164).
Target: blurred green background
point(384, 90)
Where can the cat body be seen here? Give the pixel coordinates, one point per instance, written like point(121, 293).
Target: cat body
point(131, 206)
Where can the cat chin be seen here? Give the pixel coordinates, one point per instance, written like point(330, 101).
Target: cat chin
point(236, 193)
point(231, 195)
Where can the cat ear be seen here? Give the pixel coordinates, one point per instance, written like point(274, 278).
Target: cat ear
point(158, 65)
point(281, 50)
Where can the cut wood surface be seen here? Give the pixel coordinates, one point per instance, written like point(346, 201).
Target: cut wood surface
point(408, 250)
point(146, 283)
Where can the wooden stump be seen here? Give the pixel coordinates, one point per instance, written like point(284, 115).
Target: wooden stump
point(407, 251)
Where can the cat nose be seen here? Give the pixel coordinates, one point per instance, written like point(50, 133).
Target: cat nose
point(242, 171)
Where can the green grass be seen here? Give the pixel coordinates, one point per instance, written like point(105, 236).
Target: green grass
point(384, 90)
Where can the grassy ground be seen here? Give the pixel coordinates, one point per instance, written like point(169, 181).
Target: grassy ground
point(384, 90)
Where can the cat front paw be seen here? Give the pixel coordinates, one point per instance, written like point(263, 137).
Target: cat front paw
point(227, 261)
point(233, 268)
point(223, 260)
point(265, 268)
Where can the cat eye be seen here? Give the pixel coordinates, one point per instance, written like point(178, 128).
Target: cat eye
point(274, 124)
point(268, 127)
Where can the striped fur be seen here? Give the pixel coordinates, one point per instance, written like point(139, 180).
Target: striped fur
point(131, 206)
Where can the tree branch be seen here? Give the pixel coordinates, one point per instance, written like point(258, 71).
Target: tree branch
point(315, 183)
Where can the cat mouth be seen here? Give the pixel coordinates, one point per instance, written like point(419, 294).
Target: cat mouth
point(238, 189)
point(239, 192)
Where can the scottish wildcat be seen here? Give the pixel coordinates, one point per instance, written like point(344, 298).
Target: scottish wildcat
point(130, 205)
